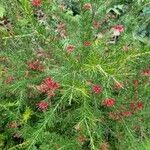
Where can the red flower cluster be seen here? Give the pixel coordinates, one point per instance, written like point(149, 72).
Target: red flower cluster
point(87, 6)
point(36, 65)
point(87, 43)
point(117, 115)
point(104, 146)
point(146, 72)
point(36, 2)
point(139, 105)
point(95, 24)
point(42, 105)
point(119, 28)
point(126, 114)
point(49, 86)
point(9, 80)
point(70, 48)
point(81, 139)
point(96, 89)
point(136, 106)
point(109, 102)
point(135, 83)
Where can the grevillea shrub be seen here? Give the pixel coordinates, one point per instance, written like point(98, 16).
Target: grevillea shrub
point(74, 75)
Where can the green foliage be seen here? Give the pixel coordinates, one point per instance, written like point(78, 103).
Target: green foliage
point(116, 9)
point(26, 115)
point(37, 114)
point(1, 141)
point(2, 11)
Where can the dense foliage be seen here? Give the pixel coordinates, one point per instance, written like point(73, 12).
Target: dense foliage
point(74, 74)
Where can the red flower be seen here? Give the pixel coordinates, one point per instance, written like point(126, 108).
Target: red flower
point(104, 146)
point(9, 80)
point(109, 102)
point(132, 106)
point(87, 6)
point(96, 89)
point(42, 105)
point(119, 28)
point(146, 72)
point(81, 139)
point(87, 43)
point(127, 114)
point(135, 127)
point(36, 2)
point(12, 125)
point(35, 65)
point(50, 93)
point(139, 105)
point(43, 88)
point(70, 48)
point(135, 83)
point(95, 24)
point(136, 105)
point(49, 86)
